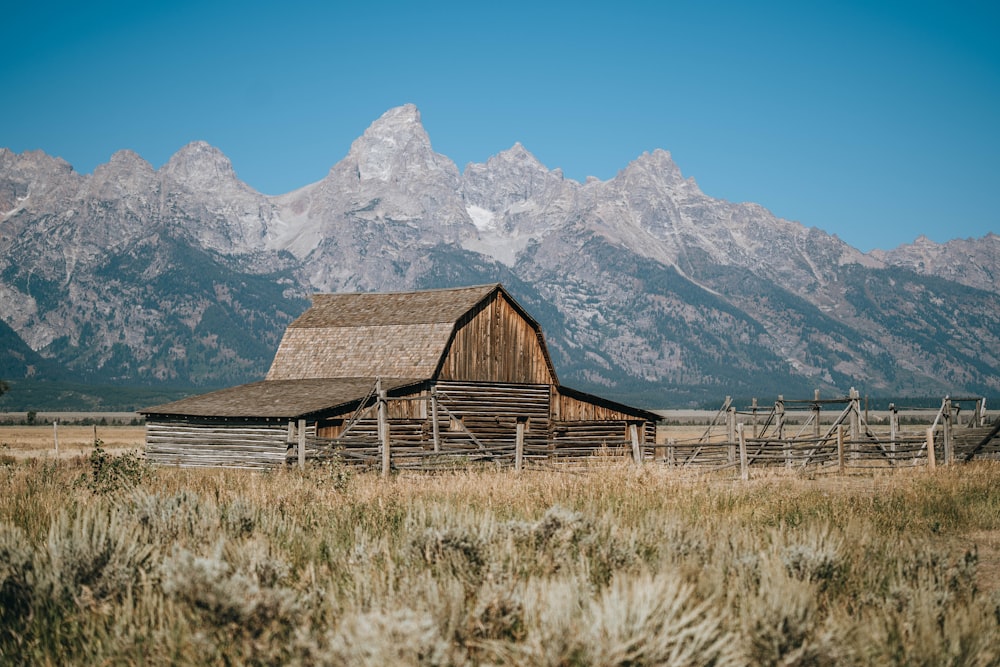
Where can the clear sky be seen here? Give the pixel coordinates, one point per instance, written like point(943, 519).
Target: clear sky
point(876, 121)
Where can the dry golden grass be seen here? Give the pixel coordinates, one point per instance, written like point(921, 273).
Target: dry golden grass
point(611, 565)
point(39, 440)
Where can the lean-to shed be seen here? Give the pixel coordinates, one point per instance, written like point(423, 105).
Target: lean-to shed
point(459, 369)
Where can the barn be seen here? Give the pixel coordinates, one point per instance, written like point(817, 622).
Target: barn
point(400, 379)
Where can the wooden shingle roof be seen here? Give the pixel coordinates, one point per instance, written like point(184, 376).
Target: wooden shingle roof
point(397, 334)
point(283, 399)
point(439, 306)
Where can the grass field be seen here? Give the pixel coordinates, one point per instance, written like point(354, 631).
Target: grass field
point(106, 561)
point(74, 441)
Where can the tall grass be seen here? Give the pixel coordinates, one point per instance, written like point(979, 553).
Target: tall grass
point(614, 566)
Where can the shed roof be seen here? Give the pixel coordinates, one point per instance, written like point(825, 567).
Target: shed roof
point(284, 399)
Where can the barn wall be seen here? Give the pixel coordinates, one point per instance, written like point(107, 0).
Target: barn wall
point(583, 438)
point(194, 442)
point(410, 408)
point(491, 412)
point(494, 343)
point(568, 408)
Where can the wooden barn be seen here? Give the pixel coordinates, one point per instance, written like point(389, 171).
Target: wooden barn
point(398, 380)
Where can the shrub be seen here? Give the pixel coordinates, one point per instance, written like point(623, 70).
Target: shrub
point(246, 598)
point(93, 554)
point(16, 581)
point(110, 474)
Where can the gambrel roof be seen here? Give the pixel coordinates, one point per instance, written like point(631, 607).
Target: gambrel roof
point(397, 334)
point(330, 356)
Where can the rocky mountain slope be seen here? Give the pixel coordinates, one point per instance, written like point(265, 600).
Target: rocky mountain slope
point(648, 289)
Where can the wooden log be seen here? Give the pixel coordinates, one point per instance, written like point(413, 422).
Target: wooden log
point(731, 432)
point(383, 429)
point(840, 447)
point(931, 462)
point(633, 431)
point(817, 412)
point(946, 429)
point(302, 443)
point(744, 465)
point(519, 447)
point(855, 420)
point(434, 419)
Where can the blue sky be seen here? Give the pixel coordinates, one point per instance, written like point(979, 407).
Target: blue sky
point(874, 121)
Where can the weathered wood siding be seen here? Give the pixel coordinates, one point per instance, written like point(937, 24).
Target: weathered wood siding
point(584, 437)
point(215, 443)
point(468, 415)
point(568, 408)
point(491, 412)
point(494, 343)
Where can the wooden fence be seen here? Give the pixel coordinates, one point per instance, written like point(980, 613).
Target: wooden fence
point(465, 427)
point(791, 434)
point(796, 435)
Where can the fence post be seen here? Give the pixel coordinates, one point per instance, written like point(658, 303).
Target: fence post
point(753, 411)
point(731, 433)
point(893, 428)
point(779, 417)
point(55, 435)
point(840, 447)
point(383, 428)
point(744, 467)
point(519, 445)
point(817, 411)
point(671, 456)
point(931, 462)
point(855, 398)
point(633, 431)
point(946, 430)
point(302, 443)
point(435, 434)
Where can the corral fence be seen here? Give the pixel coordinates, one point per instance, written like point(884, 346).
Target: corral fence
point(793, 434)
point(476, 434)
point(799, 434)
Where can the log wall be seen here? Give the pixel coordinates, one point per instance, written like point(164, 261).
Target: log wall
point(568, 409)
point(216, 443)
point(491, 412)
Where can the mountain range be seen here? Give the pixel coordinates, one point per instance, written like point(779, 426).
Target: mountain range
point(648, 290)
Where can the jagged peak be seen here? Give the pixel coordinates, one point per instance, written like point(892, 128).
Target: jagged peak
point(404, 114)
point(658, 158)
point(516, 158)
point(128, 158)
point(659, 165)
point(124, 165)
point(520, 155)
point(401, 121)
point(198, 159)
point(199, 151)
point(396, 142)
point(36, 158)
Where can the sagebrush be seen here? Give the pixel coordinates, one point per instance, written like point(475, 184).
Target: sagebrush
point(613, 566)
